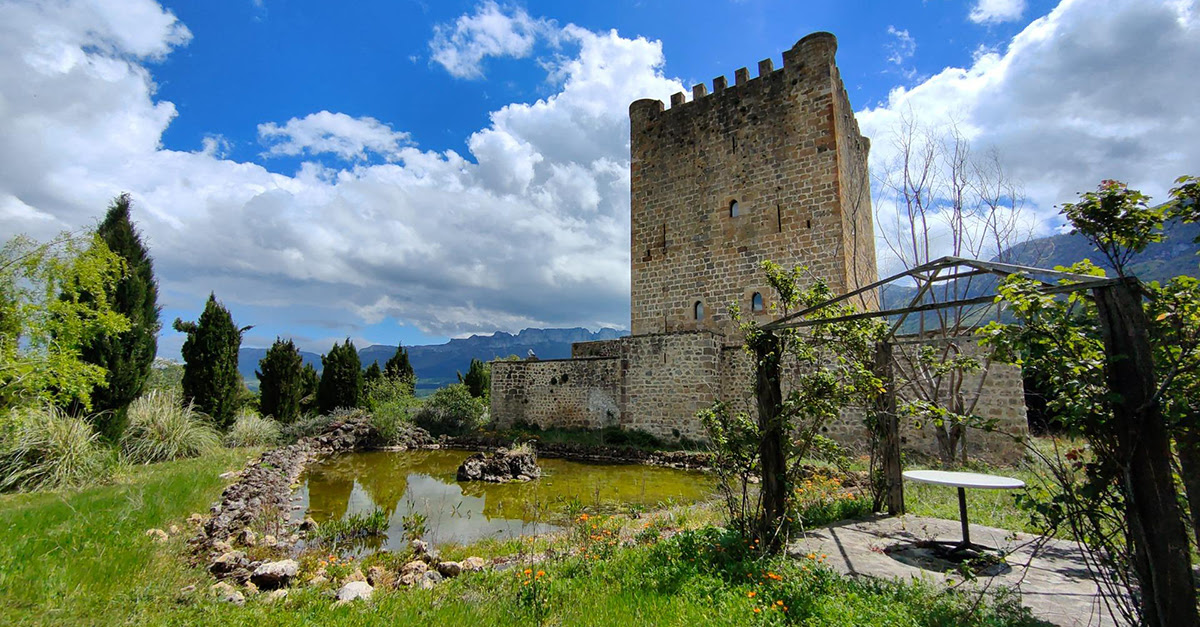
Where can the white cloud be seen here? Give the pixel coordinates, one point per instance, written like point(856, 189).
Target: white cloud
point(901, 48)
point(529, 229)
point(996, 11)
point(1078, 96)
point(347, 137)
point(493, 31)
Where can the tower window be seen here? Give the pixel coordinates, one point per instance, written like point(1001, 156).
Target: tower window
point(756, 302)
point(733, 209)
point(698, 310)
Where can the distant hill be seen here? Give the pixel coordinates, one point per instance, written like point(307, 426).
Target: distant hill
point(438, 364)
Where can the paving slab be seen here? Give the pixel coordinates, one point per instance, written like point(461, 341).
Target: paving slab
point(1050, 575)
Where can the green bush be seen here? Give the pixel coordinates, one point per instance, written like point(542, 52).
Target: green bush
point(306, 426)
point(44, 449)
point(451, 411)
point(162, 428)
point(250, 429)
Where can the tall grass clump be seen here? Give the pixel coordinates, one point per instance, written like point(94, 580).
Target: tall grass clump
point(162, 427)
point(250, 429)
point(43, 448)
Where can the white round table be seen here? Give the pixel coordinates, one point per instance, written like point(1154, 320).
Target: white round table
point(963, 480)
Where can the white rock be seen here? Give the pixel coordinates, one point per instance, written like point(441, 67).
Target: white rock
point(276, 595)
point(473, 564)
point(275, 574)
point(355, 590)
point(159, 535)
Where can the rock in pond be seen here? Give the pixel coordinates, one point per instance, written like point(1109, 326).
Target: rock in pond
point(499, 467)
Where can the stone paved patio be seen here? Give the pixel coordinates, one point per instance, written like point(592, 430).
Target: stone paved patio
point(1053, 583)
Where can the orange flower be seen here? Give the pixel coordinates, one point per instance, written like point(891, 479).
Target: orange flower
point(541, 573)
point(756, 610)
point(528, 571)
point(779, 603)
point(751, 594)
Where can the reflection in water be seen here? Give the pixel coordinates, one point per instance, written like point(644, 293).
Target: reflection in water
point(424, 481)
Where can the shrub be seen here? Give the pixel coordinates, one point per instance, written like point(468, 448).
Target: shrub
point(162, 428)
point(451, 411)
point(45, 449)
point(306, 426)
point(250, 429)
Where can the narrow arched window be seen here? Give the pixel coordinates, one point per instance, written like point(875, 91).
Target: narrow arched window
point(756, 302)
point(733, 209)
point(698, 310)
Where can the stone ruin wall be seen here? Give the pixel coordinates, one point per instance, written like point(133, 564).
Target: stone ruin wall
point(785, 146)
point(567, 393)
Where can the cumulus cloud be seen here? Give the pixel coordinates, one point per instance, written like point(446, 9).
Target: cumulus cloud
point(347, 137)
point(1078, 96)
point(528, 229)
point(996, 11)
point(492, 31)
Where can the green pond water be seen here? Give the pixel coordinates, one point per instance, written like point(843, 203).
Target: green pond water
point(402, 482)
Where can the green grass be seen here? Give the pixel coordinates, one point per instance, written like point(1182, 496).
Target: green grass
point(83, 558)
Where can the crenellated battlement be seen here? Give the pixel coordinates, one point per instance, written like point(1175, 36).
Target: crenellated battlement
point(813, 50)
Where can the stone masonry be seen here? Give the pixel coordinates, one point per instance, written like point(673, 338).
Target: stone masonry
point(769, 168)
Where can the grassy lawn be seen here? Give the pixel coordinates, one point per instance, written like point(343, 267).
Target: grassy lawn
point(83, 558)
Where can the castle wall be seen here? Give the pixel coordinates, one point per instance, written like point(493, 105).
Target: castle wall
point(771, 143)
point(567, 393)
point(668, 378)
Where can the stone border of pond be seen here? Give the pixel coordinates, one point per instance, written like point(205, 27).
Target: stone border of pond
point(226, 545)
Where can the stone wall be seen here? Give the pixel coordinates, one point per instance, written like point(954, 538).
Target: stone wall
point(779, 145)
point(668, 378)
point(568, 393)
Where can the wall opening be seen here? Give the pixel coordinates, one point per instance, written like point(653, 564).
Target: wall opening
point(733, 209)
point(756, 302)
point(698, 310)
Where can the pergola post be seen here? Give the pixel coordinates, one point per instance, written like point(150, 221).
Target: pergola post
point(889, 431)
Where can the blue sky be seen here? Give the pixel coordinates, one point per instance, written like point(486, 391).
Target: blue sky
point(415, 171)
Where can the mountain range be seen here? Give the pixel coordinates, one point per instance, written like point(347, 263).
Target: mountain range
point(438, 364)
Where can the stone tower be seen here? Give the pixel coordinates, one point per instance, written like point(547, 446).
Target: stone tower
point(772, 167)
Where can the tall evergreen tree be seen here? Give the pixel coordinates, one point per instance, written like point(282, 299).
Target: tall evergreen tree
point(398, 367)
point(280, 381)
point(127, 357)
point(210, 375)
point(478, 379)
point(310, 381)
point(372, 373)
point(341, 378)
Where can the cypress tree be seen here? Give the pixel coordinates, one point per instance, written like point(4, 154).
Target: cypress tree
point(128, 356)
point(341, 378)
point(309, 382)
point(210, 375)
point(280, 381)
point(398, 367)
point(478, 379)
point(373, 373)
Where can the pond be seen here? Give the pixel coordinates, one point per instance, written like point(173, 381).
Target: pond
point(403, 482)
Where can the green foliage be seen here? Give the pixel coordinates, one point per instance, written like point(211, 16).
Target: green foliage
point(356, 526)
point(398, 367)
point(1117, 220)
point(478, 379)
point(341, 378)
point(54, 301)
point(281, 381)
point(372, 374)
point(165, 376)
point(128, 356)
point(41, 448)
point(307, 425)
point(210, 376)
point(830, 366)
point(310, 382)
point(251, 429)
point(451, 411)
point(162, 427)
